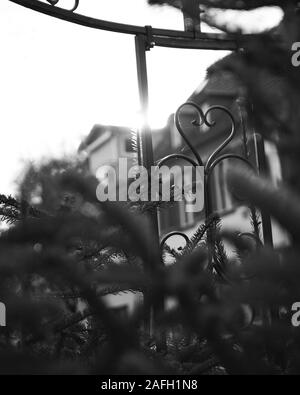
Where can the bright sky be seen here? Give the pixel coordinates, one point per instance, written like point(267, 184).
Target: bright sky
point(58, 79)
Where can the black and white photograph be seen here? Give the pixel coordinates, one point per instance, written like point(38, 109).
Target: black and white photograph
point(149, 191)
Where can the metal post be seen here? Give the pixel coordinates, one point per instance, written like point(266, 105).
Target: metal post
point(191, 17)
point(261, 165)
point(145, 148)
point(145, 136)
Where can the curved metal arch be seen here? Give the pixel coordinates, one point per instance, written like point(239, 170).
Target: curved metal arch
point(171, 234)
point(250, 236)
point(226, 276)
point(227, 156)
point(162, 37)
point(176, 156)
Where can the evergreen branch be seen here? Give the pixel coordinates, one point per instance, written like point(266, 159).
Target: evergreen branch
point(168, 250)
point(255, 223)
point(113, 290)
point(281, 203)
point(11, 210)
point(198, 235)
point(220, 255)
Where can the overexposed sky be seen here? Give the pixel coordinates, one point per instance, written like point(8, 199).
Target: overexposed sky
point(58, 79)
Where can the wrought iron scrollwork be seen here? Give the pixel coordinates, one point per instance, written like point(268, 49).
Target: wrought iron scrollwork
point(55, 2)
point(171, 234)
point(195, 122)
point(226, 141)
point(213, 160)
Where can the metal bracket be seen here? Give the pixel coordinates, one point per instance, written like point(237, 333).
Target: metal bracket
point(150, 43)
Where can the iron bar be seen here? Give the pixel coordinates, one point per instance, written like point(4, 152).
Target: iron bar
point(145, 147)
point(200, 43)
point(146, 158)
